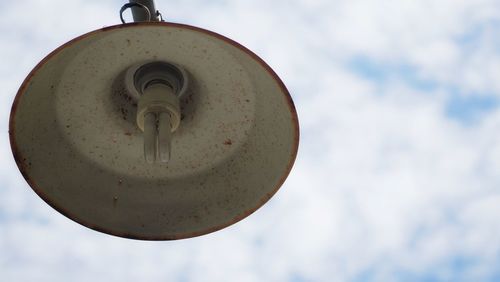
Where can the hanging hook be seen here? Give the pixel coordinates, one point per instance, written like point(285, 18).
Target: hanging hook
point(135, 4)
point(159, 16)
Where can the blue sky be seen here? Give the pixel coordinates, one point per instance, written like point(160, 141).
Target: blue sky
point(398, 172)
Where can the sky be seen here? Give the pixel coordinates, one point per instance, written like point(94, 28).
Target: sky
point(398, 172)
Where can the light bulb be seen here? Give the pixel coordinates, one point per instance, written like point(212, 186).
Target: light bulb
point(150, 138)
point(164, 137)
point(158, 115)
point(157, 86)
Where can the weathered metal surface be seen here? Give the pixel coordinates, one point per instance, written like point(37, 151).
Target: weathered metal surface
point(74, 138)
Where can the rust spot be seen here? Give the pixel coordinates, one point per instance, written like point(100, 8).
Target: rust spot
point(124, 113)
point(228, 142)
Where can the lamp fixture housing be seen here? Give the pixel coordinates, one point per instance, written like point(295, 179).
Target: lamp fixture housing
point(77, 139)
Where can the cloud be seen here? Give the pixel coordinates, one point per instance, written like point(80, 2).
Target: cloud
point(388, 185)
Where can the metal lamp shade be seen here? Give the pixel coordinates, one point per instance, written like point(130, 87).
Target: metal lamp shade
point(74, 138)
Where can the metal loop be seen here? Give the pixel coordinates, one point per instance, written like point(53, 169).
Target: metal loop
point(130, 5)
point(159, 16)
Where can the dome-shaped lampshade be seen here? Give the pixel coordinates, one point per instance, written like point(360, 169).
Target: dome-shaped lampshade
point(75, 137)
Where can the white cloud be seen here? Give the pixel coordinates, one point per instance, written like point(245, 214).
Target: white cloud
point(385, 182)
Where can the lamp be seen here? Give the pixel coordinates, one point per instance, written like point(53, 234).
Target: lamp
point(153, 130)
